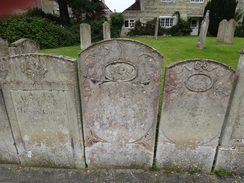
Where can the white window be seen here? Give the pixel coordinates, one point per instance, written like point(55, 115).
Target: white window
point(167, 21)
point(197, 1)
point(168, 0)
point(129, 23)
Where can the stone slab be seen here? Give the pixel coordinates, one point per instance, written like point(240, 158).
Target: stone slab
point(106, 31)
point(23, 46)
point(85, 35)
point(120, 89)
point(222, 30)
point(230, 31)
point(42, 101)
point(196, 94)
point(203, 31)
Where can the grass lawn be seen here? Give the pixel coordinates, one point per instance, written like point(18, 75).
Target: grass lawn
point(178, 48)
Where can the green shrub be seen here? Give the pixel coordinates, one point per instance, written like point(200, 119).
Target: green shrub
point(117, 21)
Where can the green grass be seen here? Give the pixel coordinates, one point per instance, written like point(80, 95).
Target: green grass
point(178, 48)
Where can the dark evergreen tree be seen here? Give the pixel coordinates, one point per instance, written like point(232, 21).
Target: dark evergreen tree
point(64, 14)
point(219, 10)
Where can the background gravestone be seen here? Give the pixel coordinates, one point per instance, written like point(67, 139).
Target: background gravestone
point(120, 89)
point(203, 32)
point(23, 46)
point(3, 48)
point(106, 30)
point(231, 151)
point(196, 94)
point(85, 35)
point(222, 30)
point(230, 31)
point(42, 100)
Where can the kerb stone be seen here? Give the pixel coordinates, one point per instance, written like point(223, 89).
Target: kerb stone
point(85, 35)
point(120, 81)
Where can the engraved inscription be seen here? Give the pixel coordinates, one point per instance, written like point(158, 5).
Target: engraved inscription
point(199, 82)
point(120, 71)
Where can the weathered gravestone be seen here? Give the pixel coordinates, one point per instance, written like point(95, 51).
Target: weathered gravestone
point(156, 28)
point(231, 151)
point(8, 152)
point(106, 30)
point(3, 48)
point(120, 89)
point(196, 93)
point(230, 31)
point(221, 30)
point(23, 46)
point(42, 101)
point(203, 32)
point(85, 35)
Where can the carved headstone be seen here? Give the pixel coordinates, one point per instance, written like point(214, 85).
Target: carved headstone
point(231, 151)
point(3, 48)
point(85, 35)
point(23, 46)
point(42, 101)
point(106, 30)
point(120, 90)
point(203, 32)
point(196, 94)
point(221, 30)
point(8, 151)
point(156, 28)
point(230, 31)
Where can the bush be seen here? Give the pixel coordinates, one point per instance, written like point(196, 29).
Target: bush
point(117, 21)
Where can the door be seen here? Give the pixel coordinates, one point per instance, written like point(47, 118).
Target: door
point(194, 27)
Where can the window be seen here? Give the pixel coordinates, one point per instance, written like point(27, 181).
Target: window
point(193, 23)
point(168, 0)
point(197, 1)
point(130, 23)
point(166, 22)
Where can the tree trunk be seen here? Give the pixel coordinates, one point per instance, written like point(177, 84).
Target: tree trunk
point(64, 14)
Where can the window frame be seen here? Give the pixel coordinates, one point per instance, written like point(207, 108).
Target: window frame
point(130, 22)
point(170, 22)
point(168, 1)
point(194, 1)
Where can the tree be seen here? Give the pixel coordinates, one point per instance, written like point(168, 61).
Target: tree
point(64, 13)
point(219, 10)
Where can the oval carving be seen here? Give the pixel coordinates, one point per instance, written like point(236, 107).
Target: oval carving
point(120, 71)
point(199, 82)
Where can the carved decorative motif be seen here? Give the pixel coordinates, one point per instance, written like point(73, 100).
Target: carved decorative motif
point(93, 139)
point(34, 70)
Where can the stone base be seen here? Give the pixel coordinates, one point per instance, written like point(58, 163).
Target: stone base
point(230, 159)
point(187, 158)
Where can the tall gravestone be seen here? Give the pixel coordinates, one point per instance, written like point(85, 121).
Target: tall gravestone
point(23, 46)
point(42, 101)
point(3, 48)
point(106, 31)
point(230, 31)
point(156, 28)
point(221, 30)
point(85, 35)
point(120, 90)
point(196, 94)
point(231, 151)
point(203, 32)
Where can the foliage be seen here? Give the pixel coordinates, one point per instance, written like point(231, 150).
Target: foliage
point(117, 21)
point(219, 10)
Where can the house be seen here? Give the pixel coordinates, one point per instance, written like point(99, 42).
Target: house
point(145, 10)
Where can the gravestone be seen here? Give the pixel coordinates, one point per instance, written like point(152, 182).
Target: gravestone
point(230, 31)
point(8, 151)
point(120, 81)
point(23, 46)
point(203, 32)
point(222, 30)
point(42, 101)
point(196, 94)
point(3, 48)
point(106, 31)
point(231, 151)
point(156, 28)
point(85, 35)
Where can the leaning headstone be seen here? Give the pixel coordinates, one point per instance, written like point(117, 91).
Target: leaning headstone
point(222, 30)
point(231, 151)
point(196, 94)
point(3, 48)
point(120, 90)
point(85, 35)
point(156, 28)
point(42, 101)
point(23, 46)
point(8, 151)
point(106, 31)
point(203, 32)
point(230, 31)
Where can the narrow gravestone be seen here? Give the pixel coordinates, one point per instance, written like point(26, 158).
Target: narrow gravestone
point(106, 31)
point(42, 101)
point(85, 35)
point(203, 32)
point(120, 90)
point(156, 28)
point(230, 31)
point(231, 151)
point(3, 48)
point(23, 46)
point(221, 30)
point(196, 94)
point(8, 151)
